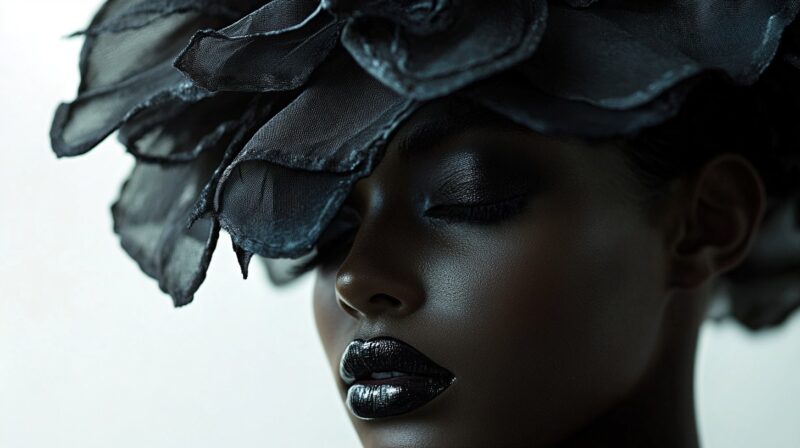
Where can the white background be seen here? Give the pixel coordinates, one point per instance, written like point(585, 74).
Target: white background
point(92, 354)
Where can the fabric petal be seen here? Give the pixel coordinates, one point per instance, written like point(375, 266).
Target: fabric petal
point(579, 3)
point(151, 217)
point(627, 53)
point(126, 68)
point(292, 177)
point(332, 124)
point(79, 126)
point(420, 17)
point(485, 38)
point(141, 13)
point(275, 48)
point(341, 230)
point(110, 57)
point(256, 113)
point(178, 131)
point(514, 97)
point(765, 290)
point(275, 211)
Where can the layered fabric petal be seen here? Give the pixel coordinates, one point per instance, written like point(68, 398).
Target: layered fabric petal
point(482, 39)
point(258, 117)
point(179, 130)
point(623, 54)
point(126, 67)
point(137, 14)
point(765, 290)
point(151, 217)
point(633, 63)
point(275, 48)
point(161, 215)
point(79, 126)
point(579, 3)
point(515, 97)
point(339, 232)
point(257, 112)
point(292, 177)
point(419, 17)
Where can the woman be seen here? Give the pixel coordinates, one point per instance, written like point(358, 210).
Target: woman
point(518, 213)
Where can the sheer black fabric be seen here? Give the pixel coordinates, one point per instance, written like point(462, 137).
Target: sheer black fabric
point(258, 117)
point(289, 180)
point(274, 48)
point(126, 66)
point(424, 56)
point(151, 217)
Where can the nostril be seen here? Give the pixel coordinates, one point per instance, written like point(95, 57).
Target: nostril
point(348, 309)
point(385, 300)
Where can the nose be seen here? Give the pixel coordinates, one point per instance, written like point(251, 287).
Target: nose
point(379, 277)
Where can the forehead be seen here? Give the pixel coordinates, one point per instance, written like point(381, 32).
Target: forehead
point(444, 120)
point(455, 125)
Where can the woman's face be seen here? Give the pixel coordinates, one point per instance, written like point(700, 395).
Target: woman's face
point(519, 263)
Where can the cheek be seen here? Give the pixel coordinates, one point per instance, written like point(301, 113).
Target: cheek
point(565, 304)
point(594, 301)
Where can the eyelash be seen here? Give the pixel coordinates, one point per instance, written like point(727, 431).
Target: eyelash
point(484, 213)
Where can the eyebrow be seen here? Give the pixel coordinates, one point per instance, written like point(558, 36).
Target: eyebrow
point(429, 135)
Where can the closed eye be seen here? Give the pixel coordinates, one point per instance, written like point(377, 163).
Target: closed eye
point(478, 213)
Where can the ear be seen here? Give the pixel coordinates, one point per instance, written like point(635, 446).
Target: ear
point(715, 221)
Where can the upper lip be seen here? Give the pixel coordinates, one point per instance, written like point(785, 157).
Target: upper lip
point(385, 354)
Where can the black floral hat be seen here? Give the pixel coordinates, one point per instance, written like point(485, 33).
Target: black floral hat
point(257, 117)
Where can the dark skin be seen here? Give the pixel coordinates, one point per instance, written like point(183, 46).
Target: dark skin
point(570, 320)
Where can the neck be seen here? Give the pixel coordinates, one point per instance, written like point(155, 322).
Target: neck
point(660, 413)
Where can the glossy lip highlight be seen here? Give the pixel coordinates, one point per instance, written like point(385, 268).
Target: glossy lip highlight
point(419, 382)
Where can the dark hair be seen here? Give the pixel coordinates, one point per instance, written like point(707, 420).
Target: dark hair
point(762, 123)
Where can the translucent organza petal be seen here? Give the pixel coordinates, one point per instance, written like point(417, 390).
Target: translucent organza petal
point(579, 3)
point(513, 96)
point(626, 53)
point(133, 15)
point(257, 112)
point(79, 126)
point(178, 130)
point(275, 48)
point(275, 211)
point(276, 121)
point(420, 17)
point(340, 230)
point(291, 178)
point(151, 217)
point(332, 124)
point(126, 67)
point(765, 290)
point(484, 38)
point(112, 53)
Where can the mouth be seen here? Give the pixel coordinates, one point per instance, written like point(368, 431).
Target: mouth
point(387, 377)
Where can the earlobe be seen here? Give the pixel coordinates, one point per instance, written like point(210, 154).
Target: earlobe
point(718, 221)
point(689, 260)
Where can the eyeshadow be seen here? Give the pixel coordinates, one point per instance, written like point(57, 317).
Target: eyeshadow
point(479, 176)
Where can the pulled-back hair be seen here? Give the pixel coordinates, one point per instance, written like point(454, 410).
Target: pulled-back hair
point(762, 123)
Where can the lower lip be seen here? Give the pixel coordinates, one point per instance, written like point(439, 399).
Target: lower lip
point(377, 398)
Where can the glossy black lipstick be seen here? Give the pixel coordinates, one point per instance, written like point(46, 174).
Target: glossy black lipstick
point(387, 377)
